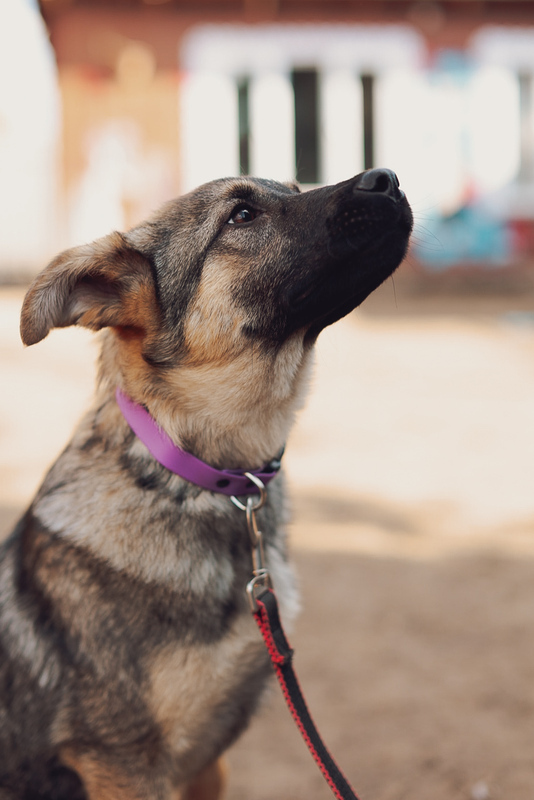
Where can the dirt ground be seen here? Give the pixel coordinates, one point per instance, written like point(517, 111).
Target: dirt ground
point(412, 473)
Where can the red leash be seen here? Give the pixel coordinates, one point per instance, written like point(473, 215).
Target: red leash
point(264, 606)
point(268, 620)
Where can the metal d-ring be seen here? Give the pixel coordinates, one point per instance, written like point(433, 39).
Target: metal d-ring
point(261, 498)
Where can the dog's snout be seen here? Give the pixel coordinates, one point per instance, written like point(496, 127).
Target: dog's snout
point(379, 181)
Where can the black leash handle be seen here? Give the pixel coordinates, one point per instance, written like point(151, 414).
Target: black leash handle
point(268, 620)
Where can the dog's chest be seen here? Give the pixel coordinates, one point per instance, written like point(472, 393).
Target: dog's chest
point(202, 695)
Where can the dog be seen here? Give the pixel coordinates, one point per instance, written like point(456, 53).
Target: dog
point(129, 659)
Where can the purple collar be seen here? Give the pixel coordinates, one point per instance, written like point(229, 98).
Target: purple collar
point(224, 481)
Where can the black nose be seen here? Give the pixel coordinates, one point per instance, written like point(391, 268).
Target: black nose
point(379, 181)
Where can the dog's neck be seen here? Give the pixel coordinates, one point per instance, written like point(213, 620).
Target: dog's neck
point(234, 416)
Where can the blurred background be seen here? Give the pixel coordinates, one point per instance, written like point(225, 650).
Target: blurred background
point(108, 108)
point(412, 467)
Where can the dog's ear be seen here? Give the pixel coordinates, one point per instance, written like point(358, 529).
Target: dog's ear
point(106, 283)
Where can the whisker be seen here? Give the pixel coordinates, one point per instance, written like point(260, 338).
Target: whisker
point(394, 292)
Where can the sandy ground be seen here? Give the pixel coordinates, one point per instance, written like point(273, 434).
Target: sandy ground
point(412, 473)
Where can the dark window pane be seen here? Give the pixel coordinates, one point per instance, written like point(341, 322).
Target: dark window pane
point(305, 86)
point(368, 82)
point(244, 125)
point(526, 166)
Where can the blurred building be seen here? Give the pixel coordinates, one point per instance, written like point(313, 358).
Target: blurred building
point(157, 96)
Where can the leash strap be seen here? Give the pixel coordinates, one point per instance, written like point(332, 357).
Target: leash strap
point(268, 620)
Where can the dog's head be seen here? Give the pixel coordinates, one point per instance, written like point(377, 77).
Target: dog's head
point(236, 278)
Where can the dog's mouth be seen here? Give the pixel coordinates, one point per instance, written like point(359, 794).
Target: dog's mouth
point(330, 298)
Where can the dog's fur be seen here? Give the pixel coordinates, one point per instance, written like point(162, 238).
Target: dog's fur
point(129, 660)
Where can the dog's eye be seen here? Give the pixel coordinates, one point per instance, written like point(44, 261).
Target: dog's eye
point(242, 214)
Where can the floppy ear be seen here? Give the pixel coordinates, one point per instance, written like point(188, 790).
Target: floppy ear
point(104, 283)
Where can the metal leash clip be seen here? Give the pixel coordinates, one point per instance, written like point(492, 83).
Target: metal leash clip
point(262, 578)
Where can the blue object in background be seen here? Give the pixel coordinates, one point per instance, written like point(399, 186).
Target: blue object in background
point(468, 237)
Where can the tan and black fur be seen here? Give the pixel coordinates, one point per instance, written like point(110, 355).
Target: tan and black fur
point(129, 660)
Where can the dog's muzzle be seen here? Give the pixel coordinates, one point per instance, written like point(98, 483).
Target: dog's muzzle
point(362, 241)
